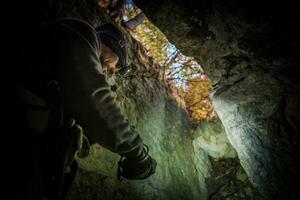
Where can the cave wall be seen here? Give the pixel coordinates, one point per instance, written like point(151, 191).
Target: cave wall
point(165, 129)
point(256, 97)
point(250, 52)
point(181, 171)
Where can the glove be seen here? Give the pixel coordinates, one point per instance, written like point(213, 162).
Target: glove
point(135, 169)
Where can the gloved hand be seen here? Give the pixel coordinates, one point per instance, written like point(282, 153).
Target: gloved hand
point(135, 169)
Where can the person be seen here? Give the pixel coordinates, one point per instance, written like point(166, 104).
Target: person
point(60, 92)
point(113, 48)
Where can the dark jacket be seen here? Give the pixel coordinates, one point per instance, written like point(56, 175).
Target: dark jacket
point(68, 50)
point(64, 51)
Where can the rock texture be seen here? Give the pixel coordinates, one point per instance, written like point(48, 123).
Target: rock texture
point(165, 129)
point(250, 51)
point(251, 57)
point(212, 138)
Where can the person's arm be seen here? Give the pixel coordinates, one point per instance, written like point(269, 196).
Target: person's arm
point(87, 95)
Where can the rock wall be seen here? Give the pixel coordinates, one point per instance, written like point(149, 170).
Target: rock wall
point(185, 166)
point(164, 127)
point(181, 171)
point(250, 52)
point(212, 138)
point(256, 96)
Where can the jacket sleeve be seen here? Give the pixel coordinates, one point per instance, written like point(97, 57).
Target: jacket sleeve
point(86, 93)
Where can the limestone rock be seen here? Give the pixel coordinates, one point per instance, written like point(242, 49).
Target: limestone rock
point(212, 138)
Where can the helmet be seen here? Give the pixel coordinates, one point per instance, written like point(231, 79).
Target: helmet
point(113, 37)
